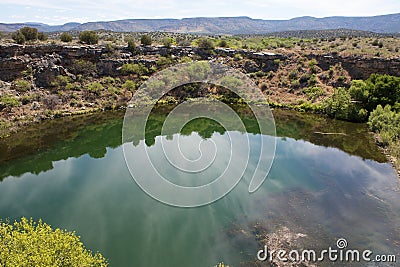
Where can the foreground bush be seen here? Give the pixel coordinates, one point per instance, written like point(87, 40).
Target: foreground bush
point(27, 243)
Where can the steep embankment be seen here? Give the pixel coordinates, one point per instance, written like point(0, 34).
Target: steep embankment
point(45, 81)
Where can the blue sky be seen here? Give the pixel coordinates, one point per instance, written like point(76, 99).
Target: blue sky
point(62, 11)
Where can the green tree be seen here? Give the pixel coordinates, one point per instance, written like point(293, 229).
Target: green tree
point(27, 243)
point(18, 37)
point(66, 37)
point(382, 90)
point(42, 36)
point(167, 42)
point(89, 37)
point(205, 43)
point(131, 45)
point(145, 39)
point(337, 105)
point(31, 34)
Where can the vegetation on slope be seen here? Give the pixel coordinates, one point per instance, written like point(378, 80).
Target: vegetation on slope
point(27, 243)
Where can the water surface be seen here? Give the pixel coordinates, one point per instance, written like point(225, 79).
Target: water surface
point(71, 173)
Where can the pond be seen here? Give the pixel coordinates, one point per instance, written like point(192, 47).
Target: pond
point(71, 173)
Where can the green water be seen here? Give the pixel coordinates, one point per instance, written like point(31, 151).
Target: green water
point(71, 173)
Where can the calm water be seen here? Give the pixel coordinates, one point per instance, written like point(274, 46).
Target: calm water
point(71, 173)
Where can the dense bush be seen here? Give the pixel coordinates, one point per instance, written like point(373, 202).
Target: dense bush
point(66, 37)
point(340, 106)
point(129, 85)
point(31, 34)
point(131, 45)
point(83, 67)
point(139, 69)
point(363, 97)
point(386, 122)
point(167, 42)
point(42, 36)
point(376, 90)
point(314, 92)
point(145, 39)
point(28, 34)
point(94, 87)
point(89, 37)
point(22, 85)
point(223, 43)
point(27, 243)
point(18, 37)
point(8, 101)
point(205, 43)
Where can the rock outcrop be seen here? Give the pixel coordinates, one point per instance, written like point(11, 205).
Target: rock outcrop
point(45, 62)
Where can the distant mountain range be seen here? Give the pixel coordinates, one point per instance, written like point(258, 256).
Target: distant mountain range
point(226, 25)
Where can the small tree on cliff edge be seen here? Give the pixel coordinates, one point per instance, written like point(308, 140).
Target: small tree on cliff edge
point(89, 37)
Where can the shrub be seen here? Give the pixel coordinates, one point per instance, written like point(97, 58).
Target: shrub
point(94, 87)
point(66, 37)
point(277, 61)
point(341, 106)
point(27, 243)
point(145, 39)
point(89, 37)
point(338, 105)
point(18, 37)
point(375, 42)
point(83, 67)
point(383, 90)
point(8, 101)
point(31, 34)
point(42, 36)
point(384, 119)
point(167, 42)
point(22, 85)
point(131, 45)
point(61, 80)
point(313, 92)
point(164, 61)
point(129, 85)
point(312, 80)
point(139, 69)
point(223, 43)
point(313, 62)
point(205, 43)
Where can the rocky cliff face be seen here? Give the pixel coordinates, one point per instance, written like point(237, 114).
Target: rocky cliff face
point(45, 62)
point(360, 68)
point(48, 61)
